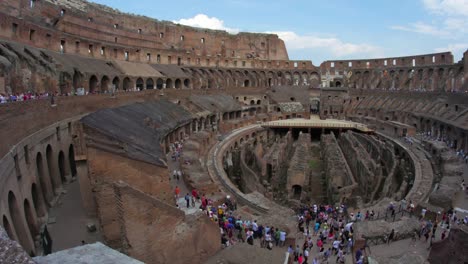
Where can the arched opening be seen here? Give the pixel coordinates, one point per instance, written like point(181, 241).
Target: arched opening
point(159, 83)
point(18, 223)
point(77, 81)
point(337, 84)
point(93, 81)
point(297, 190)
point(7, 227)
point(259, 102)
point(178, 84)
point(116, 83)
point(149, 83)
point(252, 102)
point(45, 182)
point(105, 84)
point(71, 159)
point(61, 166)
point(210, 84)
point(140, 85)
point(30, 219)
point(187, 83)
point(169, 83)
point(246, 83)
point(65, 81)
point(38, 201)
point(127, 84)
point(52, 169)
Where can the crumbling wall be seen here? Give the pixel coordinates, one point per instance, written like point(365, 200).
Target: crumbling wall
point(155, 232)
point(451, 170)
point(278, 156)
point(339, 180)
point(299, 170)
point(366, 172)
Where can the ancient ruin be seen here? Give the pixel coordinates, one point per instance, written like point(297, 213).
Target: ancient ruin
point(113, 103)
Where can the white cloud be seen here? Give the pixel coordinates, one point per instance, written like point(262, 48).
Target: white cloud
point(293, 41)
point(423, 28)
point(457, 47)
point(451, 19)
point(447, 7)
point(204, 21)
point(334, 45)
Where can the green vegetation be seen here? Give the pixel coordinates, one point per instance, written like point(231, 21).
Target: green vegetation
point(313, 164)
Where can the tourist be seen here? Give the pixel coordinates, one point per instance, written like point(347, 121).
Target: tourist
point(187, 199)
point(306, 255)
point(423, 213)
point(282, 238)
point(177, 192)
point(359, 253)
point(249, 236)
point(297, 251)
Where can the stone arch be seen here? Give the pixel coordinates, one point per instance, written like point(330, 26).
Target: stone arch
point(159, 83)
point(169, 83)
point(246, 83)
point(18, 223)
point(288, 78)
point(30, 219)
point(65, 83)
point(140, 84)
point(296, 191)
point(105, 84)
point(52, 169)
point(71, 159)
point(296, 78)
point(77, 80)
point(187, 83)
point(149, 83)
point(314, 79)
point(61, 166)
point(45, 182)
point(305, 78)
point(127, 84)
point(93, 83)
point(8, 228)
point(338, 84)
point(116, 83)
point(38, 201)
point(178, 84)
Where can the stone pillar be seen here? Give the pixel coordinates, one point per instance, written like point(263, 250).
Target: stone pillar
point(86, 192)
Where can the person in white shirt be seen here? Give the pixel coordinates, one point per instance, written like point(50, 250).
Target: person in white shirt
point(282, 238)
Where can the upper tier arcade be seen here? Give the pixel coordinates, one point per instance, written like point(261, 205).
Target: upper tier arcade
point(94, 30)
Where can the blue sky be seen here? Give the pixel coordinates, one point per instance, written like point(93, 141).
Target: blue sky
point(327, 29)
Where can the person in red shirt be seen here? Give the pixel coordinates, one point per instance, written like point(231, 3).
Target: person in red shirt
point(177, 192)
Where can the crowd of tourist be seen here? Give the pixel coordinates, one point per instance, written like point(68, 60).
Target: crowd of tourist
point(450, 143)
point(327, 228)
point(20, 97)
point(330, 229)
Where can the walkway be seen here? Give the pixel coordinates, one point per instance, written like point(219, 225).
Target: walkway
point(68, 220)
point(461, 200)
point(174, 165)
point(316, 122)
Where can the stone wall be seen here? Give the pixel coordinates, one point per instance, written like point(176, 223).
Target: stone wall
point(367, 173)
point(155, 232)
point(339, 179)
point(298, 174)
